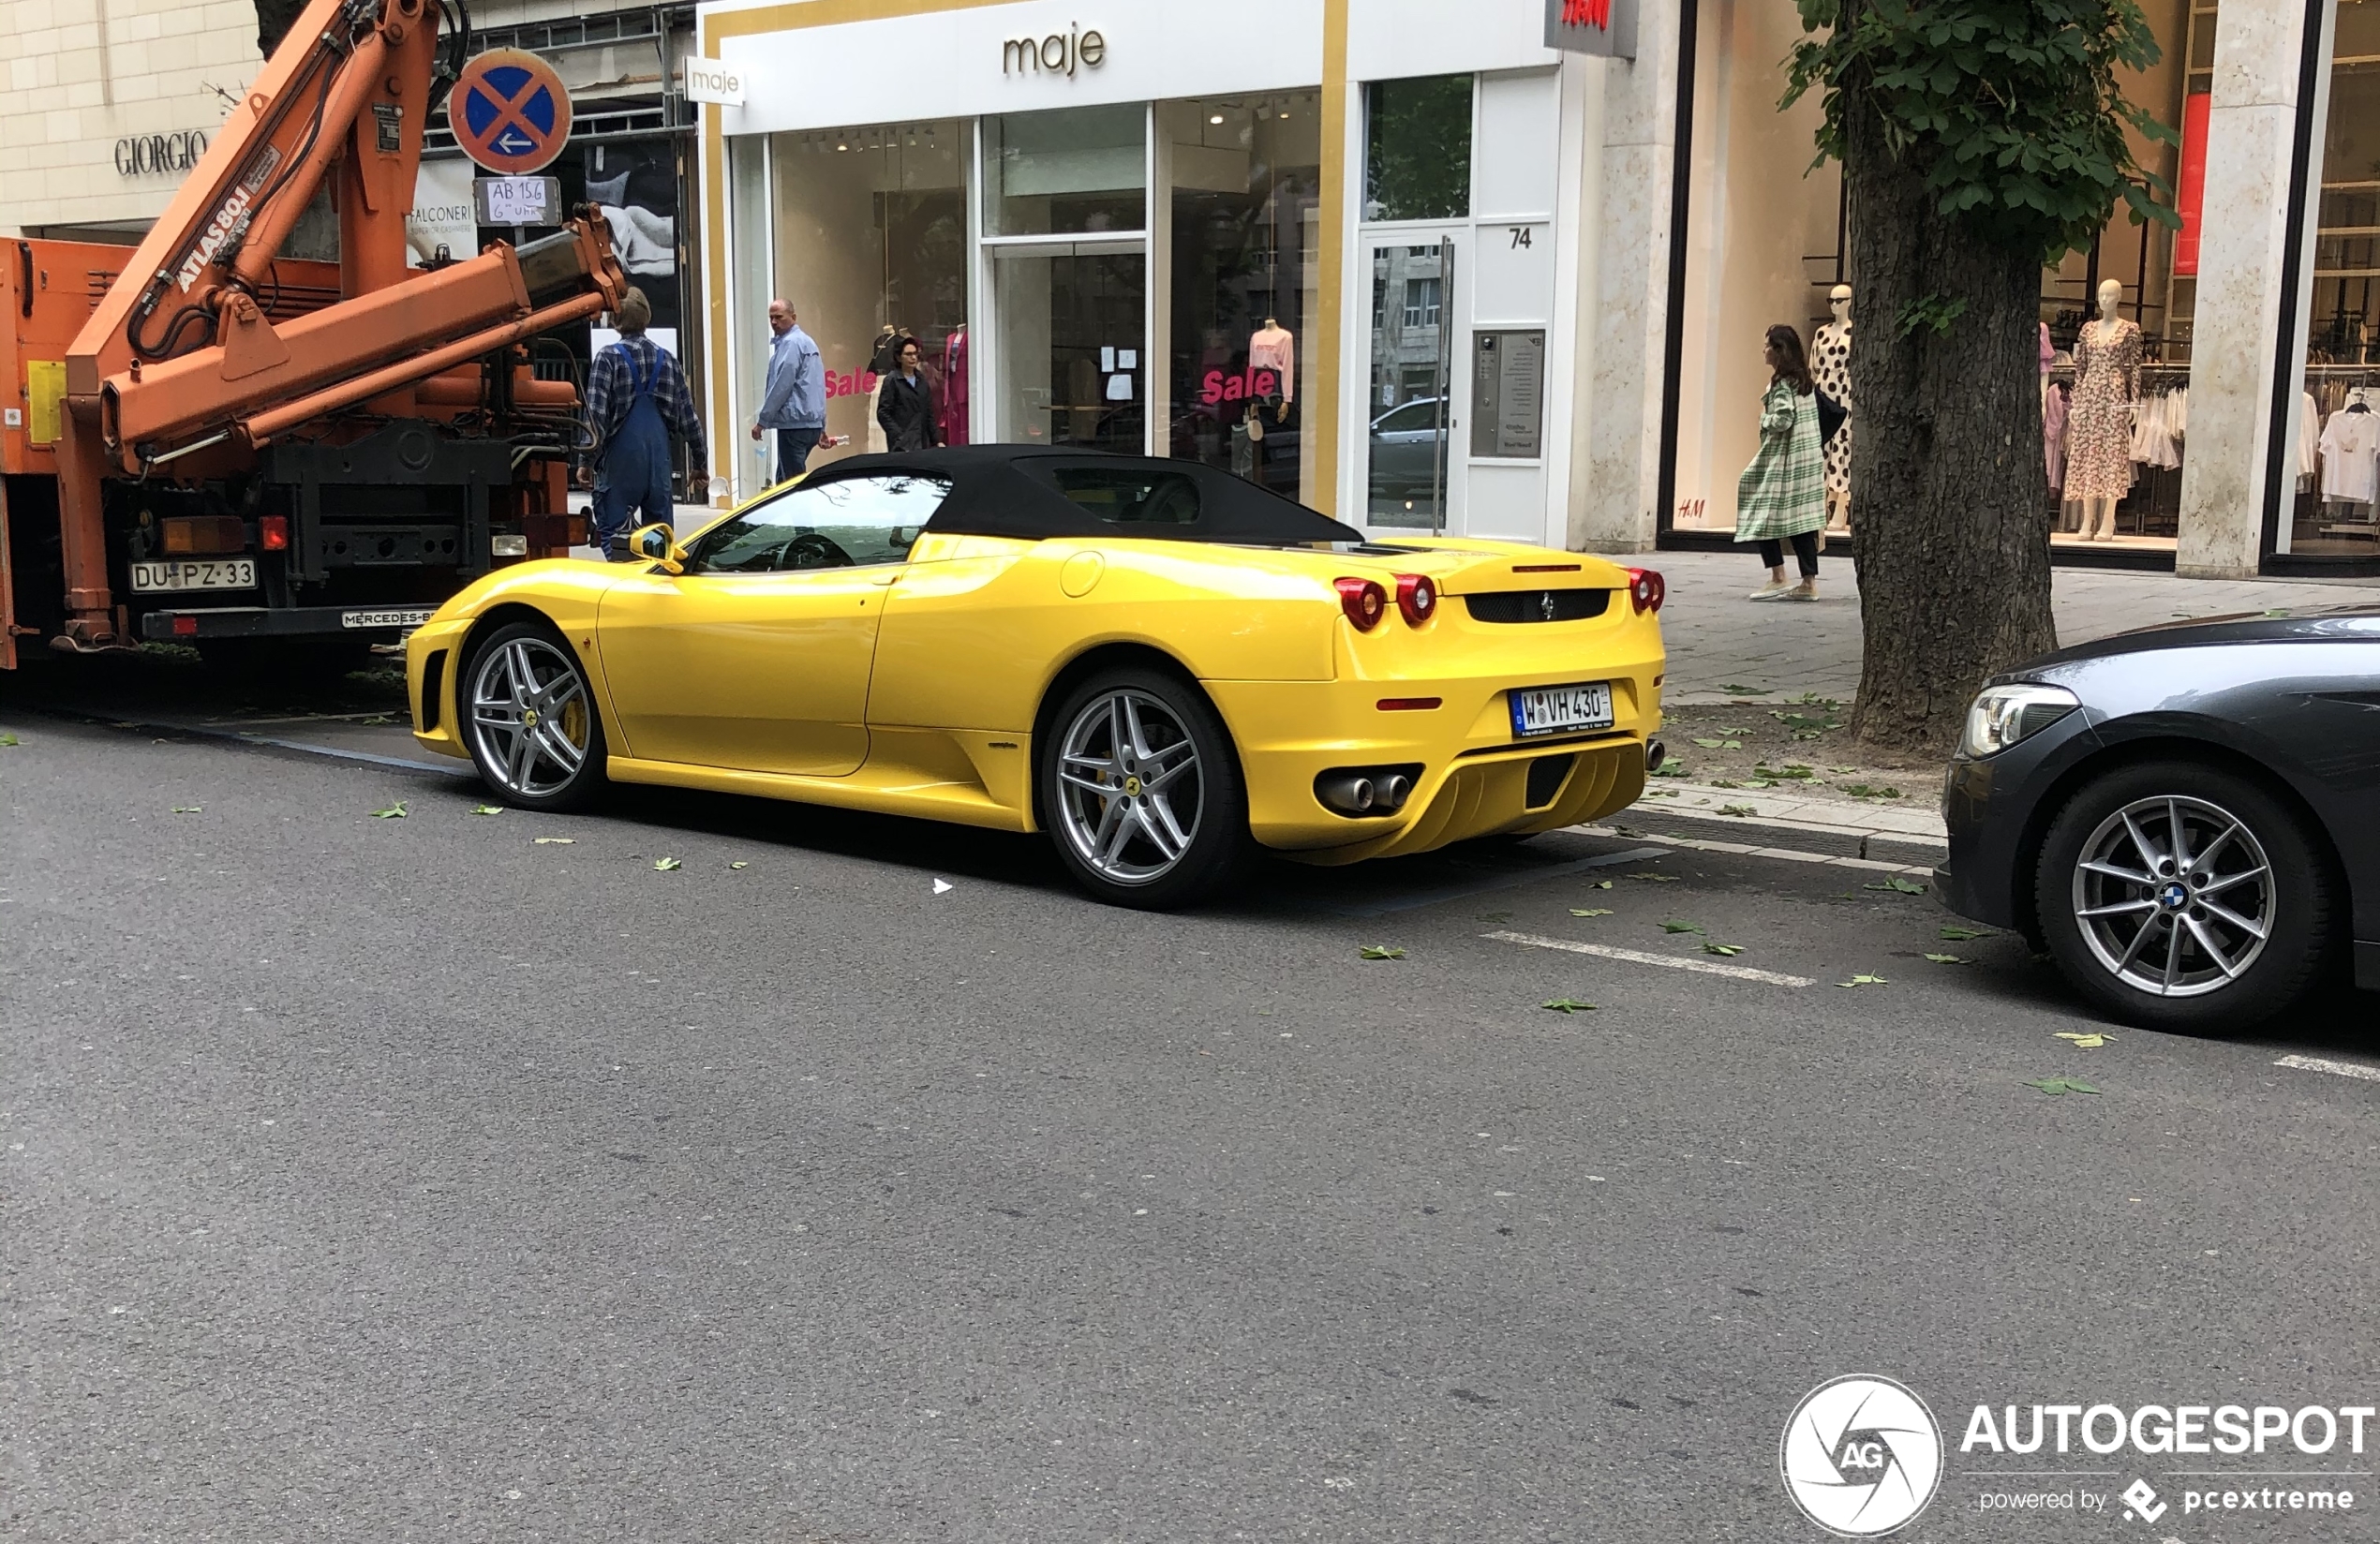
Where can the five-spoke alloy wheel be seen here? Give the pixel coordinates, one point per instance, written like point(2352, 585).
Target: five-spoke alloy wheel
point(531, 721)
point(2184, 897)
point(1141, 790)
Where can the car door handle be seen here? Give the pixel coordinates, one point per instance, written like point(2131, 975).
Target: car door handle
point(888, 579)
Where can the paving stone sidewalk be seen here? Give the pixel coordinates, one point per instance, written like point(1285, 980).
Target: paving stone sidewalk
point(1718, 638)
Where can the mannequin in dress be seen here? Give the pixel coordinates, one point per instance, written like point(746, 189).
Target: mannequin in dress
point(1830, 365)
point(2099, 418)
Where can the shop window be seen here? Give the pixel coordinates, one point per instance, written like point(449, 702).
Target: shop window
point(2330, 506)
point(1075, 170)
point(1243, 257)
point(1416, 148)
point(1764, 245)
point(870, 227)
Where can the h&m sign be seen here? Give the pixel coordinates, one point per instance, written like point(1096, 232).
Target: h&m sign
point(1603, 27)
point(1060, 54)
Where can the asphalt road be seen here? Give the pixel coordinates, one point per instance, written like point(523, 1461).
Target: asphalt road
point(413, 1179)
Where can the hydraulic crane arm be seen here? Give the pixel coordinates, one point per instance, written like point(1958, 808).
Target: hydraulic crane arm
point(179, 357)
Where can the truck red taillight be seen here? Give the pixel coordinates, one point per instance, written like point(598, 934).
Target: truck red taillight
point(1646, 589)
point(273, 532)
point(1417, 597)
point(1364, 601)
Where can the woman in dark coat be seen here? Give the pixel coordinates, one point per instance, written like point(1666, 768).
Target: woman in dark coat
point(905, 403)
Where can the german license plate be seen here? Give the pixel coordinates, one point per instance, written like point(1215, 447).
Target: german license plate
point(406, 616)
point(1560, 709)
point(196, 574)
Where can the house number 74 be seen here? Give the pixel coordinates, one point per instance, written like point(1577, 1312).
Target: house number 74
point(1520, 235)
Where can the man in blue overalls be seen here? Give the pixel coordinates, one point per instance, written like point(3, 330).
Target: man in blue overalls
point(637, 400)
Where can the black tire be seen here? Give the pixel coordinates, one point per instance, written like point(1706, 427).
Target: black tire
point(555, 713)
point(1146, 821)
point(2294, 900)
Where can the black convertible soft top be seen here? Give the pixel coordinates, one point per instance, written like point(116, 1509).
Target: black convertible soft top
point(1025, 491)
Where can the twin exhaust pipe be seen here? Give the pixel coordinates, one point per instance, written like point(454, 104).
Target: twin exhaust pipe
point(1360, 790)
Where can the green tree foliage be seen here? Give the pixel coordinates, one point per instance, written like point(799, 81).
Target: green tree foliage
point(2009, 109)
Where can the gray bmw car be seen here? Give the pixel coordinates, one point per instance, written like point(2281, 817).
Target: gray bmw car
point(2187, 817)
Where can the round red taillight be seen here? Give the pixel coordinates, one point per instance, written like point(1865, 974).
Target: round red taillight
point(1416, 597)
point(1363, 601)
point(1646, 589)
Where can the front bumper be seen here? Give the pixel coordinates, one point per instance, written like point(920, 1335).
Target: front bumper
point(1995, 811)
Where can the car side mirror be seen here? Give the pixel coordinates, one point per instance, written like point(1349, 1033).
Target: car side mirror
point(659, 543)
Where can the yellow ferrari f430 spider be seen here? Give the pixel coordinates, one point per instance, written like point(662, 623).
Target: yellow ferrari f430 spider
point(1160, 666)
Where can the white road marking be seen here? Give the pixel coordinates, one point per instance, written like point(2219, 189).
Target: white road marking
point(1638, 956)
point(2323, 1063)
point(1744, 849)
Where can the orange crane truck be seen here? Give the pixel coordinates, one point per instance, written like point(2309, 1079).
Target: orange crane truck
point(279, 461)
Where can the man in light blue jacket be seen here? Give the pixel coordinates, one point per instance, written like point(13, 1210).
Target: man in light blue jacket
point(793, 401)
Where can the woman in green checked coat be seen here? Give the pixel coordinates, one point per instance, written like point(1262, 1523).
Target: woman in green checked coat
point(1782, 494)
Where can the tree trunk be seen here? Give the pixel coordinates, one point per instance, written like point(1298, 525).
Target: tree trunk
point(1949, 491)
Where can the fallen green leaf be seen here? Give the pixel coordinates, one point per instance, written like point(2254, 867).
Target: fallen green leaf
point(1670, 768)
point(1657, 878)
point(1660, 793)
point(1570, 1005)
point(1898, 886)
point(1730, 950)
point(9, 739)
point(395, 811)
point(555, 841)
point(487, 809)
point(1590, 910)
point(1947, 959)
point(1960, 935)
point(738, 863)
point(186, 810)
point(2084, 1042)
point(1737, 810)
point(1870, 791)
point(1681, 926)
point(1722, 783)
point(1600, 885)
point(1711, 744)
point(1865, 980)
point(1496, 916)
point(1380, 951)
point(1746, 691)
point(2061, 1085)
point(667, 865)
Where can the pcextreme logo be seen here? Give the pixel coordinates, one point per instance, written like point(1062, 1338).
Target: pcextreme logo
point(1861, 1456)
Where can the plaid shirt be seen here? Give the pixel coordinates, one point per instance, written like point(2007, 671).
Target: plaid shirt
point(610, 393)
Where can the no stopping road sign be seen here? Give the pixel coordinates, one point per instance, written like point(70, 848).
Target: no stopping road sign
point(509, 112)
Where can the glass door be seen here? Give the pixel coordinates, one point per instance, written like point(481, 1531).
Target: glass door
point(1412, 479)
point(1072, 357)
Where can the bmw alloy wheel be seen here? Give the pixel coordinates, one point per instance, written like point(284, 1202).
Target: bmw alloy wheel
point(2174, 896)
point(1131, 790)
point(530, 717)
